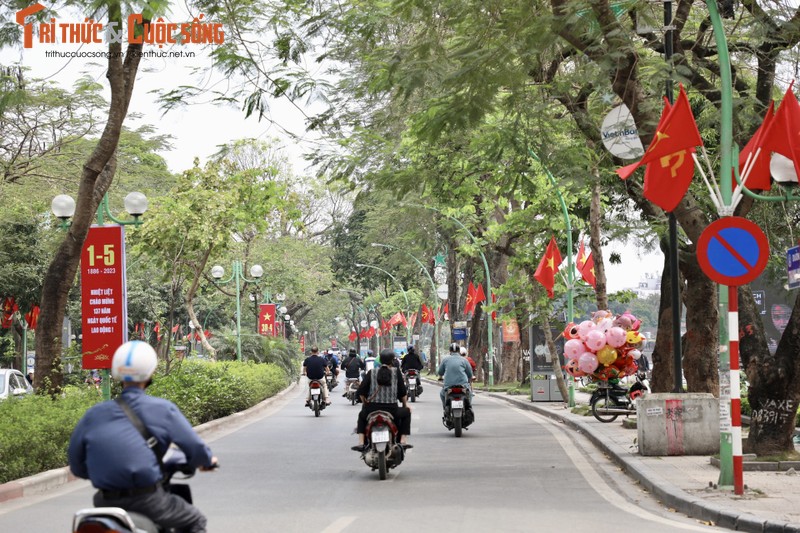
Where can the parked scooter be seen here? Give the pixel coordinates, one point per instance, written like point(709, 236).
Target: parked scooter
point(316, 403)
point(351, 390)
point(458, 413)
point(413, 389)
point(118, 520)
point(384, 450)
point(609, 401)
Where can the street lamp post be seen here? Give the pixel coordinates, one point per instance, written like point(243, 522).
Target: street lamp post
point(433, 288)
point(63, 207)
point(237, 276)
point(405, 296)
point(489, 332)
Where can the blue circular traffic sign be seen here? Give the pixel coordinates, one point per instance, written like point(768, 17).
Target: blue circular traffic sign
point(732, 251)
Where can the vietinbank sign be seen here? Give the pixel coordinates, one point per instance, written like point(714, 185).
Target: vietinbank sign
point(157, 32)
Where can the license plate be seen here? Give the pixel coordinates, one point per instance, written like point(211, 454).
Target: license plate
point(314, 392)
point(457, 404)
point(412, 385)
point(380, 436)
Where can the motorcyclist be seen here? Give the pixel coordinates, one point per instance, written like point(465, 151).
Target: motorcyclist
point(314, 368)
point(381, 389)
point(332, 362)
point(369, 361)
point(108, 449)
point(463, 351)
point(353, 365)
point(455, 370)
point(412, 361)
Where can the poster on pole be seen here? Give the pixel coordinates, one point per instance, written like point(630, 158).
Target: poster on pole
point(104, 306)
point(266, 320)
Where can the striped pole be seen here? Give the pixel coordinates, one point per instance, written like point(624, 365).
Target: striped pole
point(736, 397)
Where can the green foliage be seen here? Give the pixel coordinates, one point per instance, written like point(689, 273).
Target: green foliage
point(205, 391)
point(35, 431)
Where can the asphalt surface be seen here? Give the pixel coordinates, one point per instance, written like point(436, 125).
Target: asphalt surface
point(282, 469)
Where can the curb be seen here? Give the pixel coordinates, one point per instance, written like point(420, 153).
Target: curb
point(667, 493)
point(51, 479)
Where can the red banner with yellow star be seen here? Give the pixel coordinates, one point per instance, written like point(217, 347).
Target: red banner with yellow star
point(266, 320)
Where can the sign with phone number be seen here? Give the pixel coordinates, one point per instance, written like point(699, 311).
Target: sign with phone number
point(104, 306)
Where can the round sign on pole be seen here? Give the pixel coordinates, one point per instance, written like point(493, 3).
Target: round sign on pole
point(442, 292)
point(620, 135)
point(732, 251)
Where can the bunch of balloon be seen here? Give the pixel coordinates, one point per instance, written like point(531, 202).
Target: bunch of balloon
point(604, 347)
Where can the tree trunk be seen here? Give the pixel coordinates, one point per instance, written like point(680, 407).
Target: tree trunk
point(701, 341)
point(774, 392)
point(663, 367)
point(96, 178)
point(595, 217)
point(551, 347)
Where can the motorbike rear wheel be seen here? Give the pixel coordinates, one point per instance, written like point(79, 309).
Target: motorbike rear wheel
point(316, 408)
point(412, 395)
point(382, 464)
point(457, 425)
point(602, 403)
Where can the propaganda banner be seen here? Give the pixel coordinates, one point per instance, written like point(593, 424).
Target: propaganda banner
point(104, 305)
point(266, 320)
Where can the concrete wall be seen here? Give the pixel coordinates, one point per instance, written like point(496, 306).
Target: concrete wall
point(678, 424)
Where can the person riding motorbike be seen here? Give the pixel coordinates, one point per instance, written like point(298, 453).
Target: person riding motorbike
point(412, 361)
point(315, 368)
point(463, 351)
point(454, 370)
point(369, 361)
point(108, 449)
point(381, 389)
point(353, 366)
point(332, 362)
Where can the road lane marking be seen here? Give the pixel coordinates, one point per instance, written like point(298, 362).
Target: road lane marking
point(594, 479)
point(340, 524)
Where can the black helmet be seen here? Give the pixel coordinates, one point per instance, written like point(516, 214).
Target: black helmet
point(370, 353)
point(352, 351)
point(411, 349)
point(454, 348)
point(387, 356)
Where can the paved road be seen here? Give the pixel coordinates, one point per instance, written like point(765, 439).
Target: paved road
point(289, 471)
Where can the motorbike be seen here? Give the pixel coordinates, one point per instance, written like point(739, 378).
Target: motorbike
point(351, 390)
point(316, 403)
point(330, 378)
point(458, 413)
point(118, 520)
point(383, 448)
point(413, 389)
point(609, 401)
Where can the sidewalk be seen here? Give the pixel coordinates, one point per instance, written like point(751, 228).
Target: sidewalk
point(771, 502)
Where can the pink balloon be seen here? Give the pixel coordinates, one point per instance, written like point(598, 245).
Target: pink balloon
point(587, 362)
point(584, 328)
point(573, 348)
point(595, 340)
point(605, 324)
point(615, 337)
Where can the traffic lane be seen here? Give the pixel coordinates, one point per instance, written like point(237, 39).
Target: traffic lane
point(508, 472)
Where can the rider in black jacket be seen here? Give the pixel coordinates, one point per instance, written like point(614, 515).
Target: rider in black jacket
point(412, 361)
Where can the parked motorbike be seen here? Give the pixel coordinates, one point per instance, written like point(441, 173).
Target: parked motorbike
point(118, 520)
point(413, 389)
point(458, 413)
point(316, 404)
point(609, 401)
point(351, 390)
point(383, 448)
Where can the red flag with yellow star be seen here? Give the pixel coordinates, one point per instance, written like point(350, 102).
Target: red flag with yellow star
point(548, 266)
point(587, 271)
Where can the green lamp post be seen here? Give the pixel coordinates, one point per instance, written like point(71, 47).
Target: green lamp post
point(237, 277)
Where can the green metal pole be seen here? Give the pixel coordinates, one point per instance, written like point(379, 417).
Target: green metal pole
point(237, 266)
point(570, 265)
point(730, 437)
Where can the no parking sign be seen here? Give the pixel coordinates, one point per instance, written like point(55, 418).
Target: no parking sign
point(732, 251)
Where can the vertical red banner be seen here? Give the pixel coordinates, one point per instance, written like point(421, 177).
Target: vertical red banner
point(104, 306)
point(266, 320)
point(303, 344)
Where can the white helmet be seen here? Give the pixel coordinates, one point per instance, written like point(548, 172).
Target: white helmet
point(463, 350)
point(134, 361)
point(454, 348)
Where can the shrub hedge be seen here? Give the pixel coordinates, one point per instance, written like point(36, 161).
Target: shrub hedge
point(35, 430)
